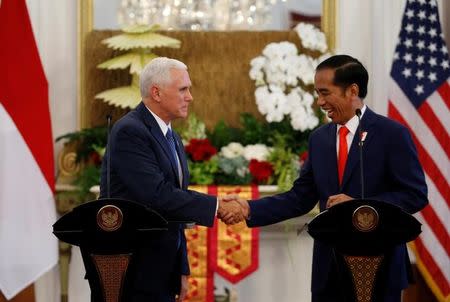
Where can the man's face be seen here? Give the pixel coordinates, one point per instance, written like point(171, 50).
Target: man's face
point(175, 96)
point(334, 100)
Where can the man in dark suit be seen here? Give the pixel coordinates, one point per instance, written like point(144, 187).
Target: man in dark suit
point(148, 165)
point(331, 174)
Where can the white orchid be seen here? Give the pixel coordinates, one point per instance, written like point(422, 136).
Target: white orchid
point(280, 71)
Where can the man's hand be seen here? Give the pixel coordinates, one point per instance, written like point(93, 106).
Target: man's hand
point(336, 199)
point(232, 209)
point(184, 289)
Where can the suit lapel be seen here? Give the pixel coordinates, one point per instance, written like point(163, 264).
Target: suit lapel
point(331, 156)
point(155, 130)
point(367, 121)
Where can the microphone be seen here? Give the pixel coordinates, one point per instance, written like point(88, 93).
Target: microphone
point(108, 164)
point(360, 144)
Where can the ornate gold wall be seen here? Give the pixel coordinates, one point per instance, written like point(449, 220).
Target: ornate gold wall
point(219, 64)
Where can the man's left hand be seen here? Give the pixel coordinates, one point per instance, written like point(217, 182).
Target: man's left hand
point(336, 199)
point(184, 289)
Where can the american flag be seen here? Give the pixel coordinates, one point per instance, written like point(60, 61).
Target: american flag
point(419, 98)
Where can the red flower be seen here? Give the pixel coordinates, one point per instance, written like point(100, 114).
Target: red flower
point(260, 170)
point(303, 156)
point(95, 158)
point(200, 149)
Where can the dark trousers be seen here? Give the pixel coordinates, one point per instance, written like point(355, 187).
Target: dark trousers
point(151, 297)
point(330, 296)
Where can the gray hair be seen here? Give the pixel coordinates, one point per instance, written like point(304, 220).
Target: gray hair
point(157, 72)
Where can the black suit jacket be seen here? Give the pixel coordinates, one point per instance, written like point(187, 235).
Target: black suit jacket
point(142, 171)
point(393, 174)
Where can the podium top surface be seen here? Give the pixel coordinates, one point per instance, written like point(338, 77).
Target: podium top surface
point(109, 223)
point(364, 227)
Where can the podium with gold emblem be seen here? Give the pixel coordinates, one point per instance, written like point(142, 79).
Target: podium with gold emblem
point(362, 233)
point(108, 231)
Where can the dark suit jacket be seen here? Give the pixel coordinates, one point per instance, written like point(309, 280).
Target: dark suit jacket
point(142, 171)
point(392, 174)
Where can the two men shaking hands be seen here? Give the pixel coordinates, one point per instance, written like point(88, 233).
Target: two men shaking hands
point(232, 209)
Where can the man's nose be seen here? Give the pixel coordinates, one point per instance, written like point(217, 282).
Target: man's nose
point(189, 97)
point(320, 100)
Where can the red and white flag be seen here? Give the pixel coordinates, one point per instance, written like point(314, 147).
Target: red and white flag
point(420, 99)
point(28, 248)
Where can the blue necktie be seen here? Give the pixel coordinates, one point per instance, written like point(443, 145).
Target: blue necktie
point(171, 141)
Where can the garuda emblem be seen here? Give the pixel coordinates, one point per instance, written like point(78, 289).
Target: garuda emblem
point(365, 219)
point(109, 218)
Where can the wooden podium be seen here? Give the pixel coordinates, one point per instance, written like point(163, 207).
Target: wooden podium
point(108, 231)
point(362, 233)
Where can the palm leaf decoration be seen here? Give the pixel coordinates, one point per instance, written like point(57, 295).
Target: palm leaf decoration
point(138, 41)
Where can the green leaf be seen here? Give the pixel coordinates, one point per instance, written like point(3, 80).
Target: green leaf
point(222, 135)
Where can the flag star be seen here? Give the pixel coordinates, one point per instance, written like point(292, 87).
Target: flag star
point(444, 49)
point(432, 32)
point(419, 74)
point(419, 89)
point(441, 35)
point(411, 1)
point(422, 15)
point(432, 47)
point(410, 13)
point(396, 56)
point(421, 30)
point(432, 18)
point(408, 43)
point(445, 64)
point(433, 3)
point(420, 60)
point(432, 76)
point(409, 28)
point(421, 44)
point(406, 72)
point(432, 61)
point(407, 57)
point(422, 2)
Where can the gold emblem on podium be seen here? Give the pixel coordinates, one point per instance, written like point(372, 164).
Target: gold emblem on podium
point(109, 218)
point(365, 218)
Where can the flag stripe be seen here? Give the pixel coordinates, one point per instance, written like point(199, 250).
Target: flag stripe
point(440, 109)
point(435, 126)
point(427, 162)
point(444, 92)
point(431, 266)
point(421, 130)
point(436, 250)
point(437, 227)
point(439, 204)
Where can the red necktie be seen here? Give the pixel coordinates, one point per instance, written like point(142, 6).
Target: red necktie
point(343, 152)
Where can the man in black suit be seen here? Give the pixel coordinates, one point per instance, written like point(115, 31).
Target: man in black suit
point(148, 165)
point(331, 174)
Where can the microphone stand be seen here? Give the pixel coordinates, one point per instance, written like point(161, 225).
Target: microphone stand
point(108, 163)
point(360, 144)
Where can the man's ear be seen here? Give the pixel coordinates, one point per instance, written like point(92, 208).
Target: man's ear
point(155, 93)
point(353, 90)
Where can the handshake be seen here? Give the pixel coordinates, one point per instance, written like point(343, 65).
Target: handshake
point(232, 209)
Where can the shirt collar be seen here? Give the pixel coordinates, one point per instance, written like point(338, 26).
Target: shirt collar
point(353, 123)
point(162, 125)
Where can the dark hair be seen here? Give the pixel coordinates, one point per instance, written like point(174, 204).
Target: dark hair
point(348, 70)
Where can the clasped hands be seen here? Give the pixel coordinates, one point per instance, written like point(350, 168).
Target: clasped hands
point(232, 209)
